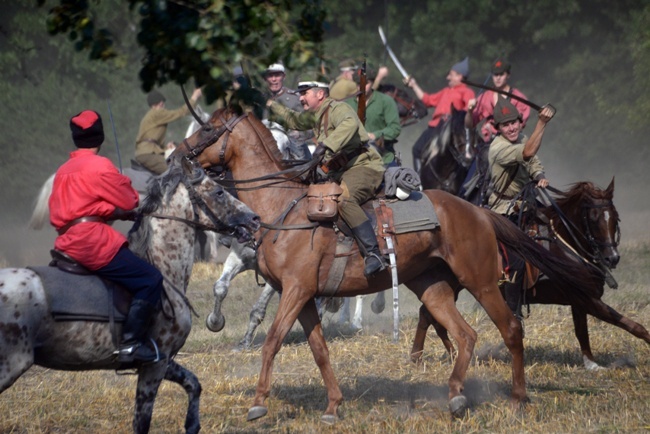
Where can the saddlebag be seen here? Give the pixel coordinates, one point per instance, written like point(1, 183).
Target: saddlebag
point(322, 201)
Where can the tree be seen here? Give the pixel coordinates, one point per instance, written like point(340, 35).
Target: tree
point(201, 40)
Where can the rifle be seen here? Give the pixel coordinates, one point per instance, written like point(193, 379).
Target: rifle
point(361, 108)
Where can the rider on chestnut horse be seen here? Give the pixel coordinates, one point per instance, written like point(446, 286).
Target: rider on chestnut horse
point(343, 147)
point(513, 163)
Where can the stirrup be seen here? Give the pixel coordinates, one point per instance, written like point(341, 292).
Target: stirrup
point(127, 354)
point(382, 263)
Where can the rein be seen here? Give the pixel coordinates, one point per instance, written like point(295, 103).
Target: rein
point(595, 257)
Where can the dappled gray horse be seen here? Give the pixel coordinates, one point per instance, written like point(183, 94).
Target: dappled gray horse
point(29, 334)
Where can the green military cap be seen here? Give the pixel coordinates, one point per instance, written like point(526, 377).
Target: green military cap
point(505, 111)
point(500, 66)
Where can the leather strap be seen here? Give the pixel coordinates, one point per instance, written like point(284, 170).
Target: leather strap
point(85, 219)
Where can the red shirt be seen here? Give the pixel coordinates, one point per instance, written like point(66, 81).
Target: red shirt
point(485, 109)
point(458, 96)
point(89, 185)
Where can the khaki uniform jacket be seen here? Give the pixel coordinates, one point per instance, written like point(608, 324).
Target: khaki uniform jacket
point(506, 161)
point(338, 127)
point(342, 88)
point(153, 128)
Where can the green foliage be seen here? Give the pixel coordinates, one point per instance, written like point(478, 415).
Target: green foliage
point(202, 40)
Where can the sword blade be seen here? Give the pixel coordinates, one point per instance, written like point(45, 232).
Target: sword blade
point(503, 92)
point(392, 55)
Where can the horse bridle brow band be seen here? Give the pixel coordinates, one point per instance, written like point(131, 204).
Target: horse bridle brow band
point(227, 128)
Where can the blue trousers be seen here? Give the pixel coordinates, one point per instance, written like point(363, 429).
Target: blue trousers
point(139, 277)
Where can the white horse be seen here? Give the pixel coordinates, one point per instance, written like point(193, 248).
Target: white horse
point(29, 334)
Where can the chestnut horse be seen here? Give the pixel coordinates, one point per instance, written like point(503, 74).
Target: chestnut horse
point(584, 226)
point(295, 257)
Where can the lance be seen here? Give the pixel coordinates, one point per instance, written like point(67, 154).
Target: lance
point(117, 146)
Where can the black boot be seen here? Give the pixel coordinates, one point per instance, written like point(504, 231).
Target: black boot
point(513, 298)
point(135, 347)
point(367, 242)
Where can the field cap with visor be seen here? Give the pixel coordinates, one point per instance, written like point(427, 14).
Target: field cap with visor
point(306, 85)
point(274, 67)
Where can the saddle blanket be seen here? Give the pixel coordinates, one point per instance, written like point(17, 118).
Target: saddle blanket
point(75, 297)
point(412, 215)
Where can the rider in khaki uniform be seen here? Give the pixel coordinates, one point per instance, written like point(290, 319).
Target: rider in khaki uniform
point(343, 86)
point(149, 149)
point(513, 163)
point(339, 132)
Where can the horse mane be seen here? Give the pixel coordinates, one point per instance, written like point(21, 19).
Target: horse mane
point(577, 194)
point(160, 188)
point(263, 133)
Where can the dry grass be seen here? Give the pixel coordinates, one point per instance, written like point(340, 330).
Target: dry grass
point(384, 392)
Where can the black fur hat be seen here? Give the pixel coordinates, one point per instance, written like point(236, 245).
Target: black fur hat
point(87, 129)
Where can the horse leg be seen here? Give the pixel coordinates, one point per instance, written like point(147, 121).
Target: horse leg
point(358, 313)
point(582, 333)
point(604, 312)
point(235, 264)
point(437, 295)
point(311, 324)
point(344, 314)
point(511, 330)
point(256, 317)
point(188, 381)
point(149, 379)
point(292, 302)
point(424, 321)
point(379, 303)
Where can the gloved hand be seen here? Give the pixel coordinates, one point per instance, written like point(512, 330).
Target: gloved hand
point(122, 214)
point(319, 151)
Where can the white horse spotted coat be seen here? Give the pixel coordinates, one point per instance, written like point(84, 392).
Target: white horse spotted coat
point(29, 335)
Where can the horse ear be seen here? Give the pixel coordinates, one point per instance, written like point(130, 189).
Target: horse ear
point(610, 189)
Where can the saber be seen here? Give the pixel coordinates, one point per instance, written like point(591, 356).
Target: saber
point(510, 94)
point(392, 55)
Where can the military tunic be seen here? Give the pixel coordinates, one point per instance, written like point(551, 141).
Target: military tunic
point(342, 88)
point(338, 127)
point(149, 144)
point(506, 161)
point(382, 117)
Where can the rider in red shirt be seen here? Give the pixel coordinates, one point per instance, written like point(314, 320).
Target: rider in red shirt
point(457, 94)
point(88, 190)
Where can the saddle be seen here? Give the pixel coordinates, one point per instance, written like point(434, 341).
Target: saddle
point(74, 293)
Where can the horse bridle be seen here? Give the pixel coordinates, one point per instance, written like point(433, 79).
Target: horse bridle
point(198, 204)
point(593, 242)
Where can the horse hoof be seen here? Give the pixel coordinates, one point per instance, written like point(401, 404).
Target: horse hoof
point(215, 325)
point(377, 307)
point(458, 406)
point(241, 347)
point(256, 412)
point(329, 419)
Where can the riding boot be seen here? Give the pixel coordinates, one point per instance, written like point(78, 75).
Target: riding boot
point(135, 347)
point(367, 242)
point(417, 165)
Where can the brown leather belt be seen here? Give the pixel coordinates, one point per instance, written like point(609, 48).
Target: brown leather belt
point(85, 219)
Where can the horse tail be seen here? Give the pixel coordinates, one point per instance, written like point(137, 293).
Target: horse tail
point(583, 281)
point(41, 211)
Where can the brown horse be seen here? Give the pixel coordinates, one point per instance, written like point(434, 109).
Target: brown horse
point(584, 227)
point(298, 257)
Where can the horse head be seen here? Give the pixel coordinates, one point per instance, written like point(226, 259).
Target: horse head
point(410, 109)
point(591, 210)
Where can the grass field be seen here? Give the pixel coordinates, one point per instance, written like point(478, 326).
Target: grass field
point(384, 392)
